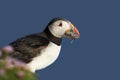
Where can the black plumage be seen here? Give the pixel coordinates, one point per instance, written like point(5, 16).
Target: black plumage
point(28, 47)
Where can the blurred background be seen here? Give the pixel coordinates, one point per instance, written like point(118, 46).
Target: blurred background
point(95, 56)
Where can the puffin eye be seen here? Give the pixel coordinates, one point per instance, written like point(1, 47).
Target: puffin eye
point(60, 24)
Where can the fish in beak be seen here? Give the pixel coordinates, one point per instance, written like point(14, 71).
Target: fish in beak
point(72, 33)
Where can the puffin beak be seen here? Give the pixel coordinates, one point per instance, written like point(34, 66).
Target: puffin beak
point(72, 32)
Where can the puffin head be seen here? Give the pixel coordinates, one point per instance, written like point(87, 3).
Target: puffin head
point(61, 27)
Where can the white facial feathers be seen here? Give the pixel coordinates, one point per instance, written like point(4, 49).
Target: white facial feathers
point(59, 27)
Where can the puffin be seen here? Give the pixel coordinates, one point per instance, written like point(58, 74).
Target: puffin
point(39, 50)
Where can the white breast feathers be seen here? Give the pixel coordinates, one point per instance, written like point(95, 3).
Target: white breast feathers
point(47, 56)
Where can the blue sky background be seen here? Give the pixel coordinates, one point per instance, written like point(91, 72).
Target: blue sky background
point(95, 56)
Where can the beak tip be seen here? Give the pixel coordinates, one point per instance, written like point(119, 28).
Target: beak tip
point(76, 31)
point(78, 36)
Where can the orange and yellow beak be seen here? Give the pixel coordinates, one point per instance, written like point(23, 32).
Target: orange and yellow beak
point(72, 32)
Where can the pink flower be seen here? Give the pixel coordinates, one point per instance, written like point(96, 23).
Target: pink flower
point(21, 74)
point(12, 62)
point(8, 63)
point(20, 64)
point(8, 49)
point(2, 72)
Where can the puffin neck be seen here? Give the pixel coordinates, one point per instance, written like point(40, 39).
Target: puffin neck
point(52, 38)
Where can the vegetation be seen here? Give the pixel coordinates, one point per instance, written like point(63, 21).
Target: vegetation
point(12, 69)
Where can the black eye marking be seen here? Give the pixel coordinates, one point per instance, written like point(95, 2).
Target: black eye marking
point(60, 24)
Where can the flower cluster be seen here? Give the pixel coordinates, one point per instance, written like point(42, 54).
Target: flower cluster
point(12, 69)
